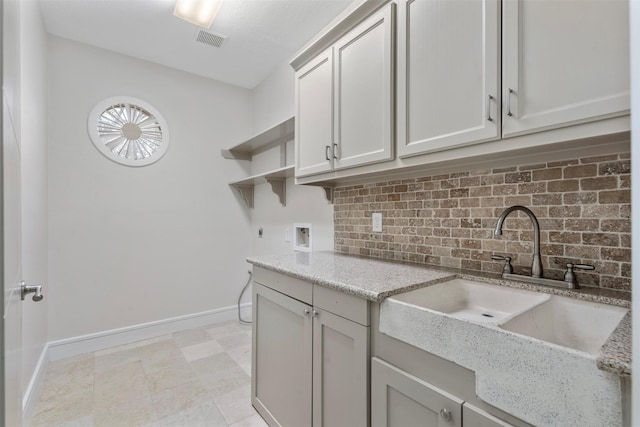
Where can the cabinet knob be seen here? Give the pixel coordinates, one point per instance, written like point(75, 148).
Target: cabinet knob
point(306, 311)
point(315, 313)
point(445, 414)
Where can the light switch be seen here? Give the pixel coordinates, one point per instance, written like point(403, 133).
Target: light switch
point(376, 222)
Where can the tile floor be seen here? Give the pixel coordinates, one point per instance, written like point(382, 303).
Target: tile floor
point(199, 377)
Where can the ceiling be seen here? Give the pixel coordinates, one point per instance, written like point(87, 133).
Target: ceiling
point(262, 34)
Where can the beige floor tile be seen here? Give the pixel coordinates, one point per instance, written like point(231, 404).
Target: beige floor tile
point(235, 405)
point(191, 337)
point(252, 421)
point(130, 413)
point(234, 341)
point(80, 422)
point(242, 356)
point(179, 398)
point(120, 384)
point(204, 415)
point(63, 408)
point(110, 360)
point(86, 421)
point(71, 370)
point(173, 375)
point(220, 374)
point(202, 350)
point(160, 355)
point(170, 380)
point(62, 412)
point(224, 329)
point(55, 386)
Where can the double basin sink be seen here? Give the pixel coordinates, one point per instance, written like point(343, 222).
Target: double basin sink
point(568, 322)
point(533, 354)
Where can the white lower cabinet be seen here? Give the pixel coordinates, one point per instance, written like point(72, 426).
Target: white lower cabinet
point(399, 399)
point(310, 366)
point(281, 365)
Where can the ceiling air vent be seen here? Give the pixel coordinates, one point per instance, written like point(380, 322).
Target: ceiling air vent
point(212, 39)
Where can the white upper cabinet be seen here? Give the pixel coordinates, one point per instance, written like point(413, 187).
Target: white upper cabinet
point(314, 116)
point(564, 62)
point(344, 100)
point(448, 74)
point(364, 92)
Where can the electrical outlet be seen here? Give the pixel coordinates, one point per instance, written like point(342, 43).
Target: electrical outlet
point(376, 222)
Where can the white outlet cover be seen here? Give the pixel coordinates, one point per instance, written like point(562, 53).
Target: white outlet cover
point(376, 222)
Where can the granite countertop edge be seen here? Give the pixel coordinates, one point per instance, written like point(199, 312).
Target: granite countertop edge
point(614, 356)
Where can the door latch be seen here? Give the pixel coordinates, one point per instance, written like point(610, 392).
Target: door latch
point(28, 289)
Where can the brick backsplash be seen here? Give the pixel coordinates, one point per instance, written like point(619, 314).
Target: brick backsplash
point(583, 206)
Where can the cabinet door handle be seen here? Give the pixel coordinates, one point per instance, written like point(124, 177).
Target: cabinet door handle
point(326, 152)
point(315, 313)
point(489, 108)
point(335, 150)
point(306, 311)
point(509, 92)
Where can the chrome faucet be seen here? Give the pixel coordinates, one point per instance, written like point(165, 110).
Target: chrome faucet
point(536, 265)
point(570, 280)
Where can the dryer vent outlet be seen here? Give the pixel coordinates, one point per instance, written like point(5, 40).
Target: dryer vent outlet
point(212, 39)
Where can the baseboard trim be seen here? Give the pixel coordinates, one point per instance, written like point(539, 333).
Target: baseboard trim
point(75, 346)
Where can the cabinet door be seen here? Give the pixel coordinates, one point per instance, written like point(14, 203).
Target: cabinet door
point(564, 62)
point(448, 74)
point(364, 92)
point(478, 418)
point(314, 116)
point(398, 399)
point(282, 354)
point(340, 371)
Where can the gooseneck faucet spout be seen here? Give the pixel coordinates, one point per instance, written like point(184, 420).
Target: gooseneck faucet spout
point(536, 265)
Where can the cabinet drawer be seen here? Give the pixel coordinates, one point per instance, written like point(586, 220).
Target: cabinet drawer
point(344, 305)
point(295, 288)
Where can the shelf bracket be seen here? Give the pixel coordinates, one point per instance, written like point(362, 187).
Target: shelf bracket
point(328, 194)
point(246, 192)
point(279, 187)
point(235, 155)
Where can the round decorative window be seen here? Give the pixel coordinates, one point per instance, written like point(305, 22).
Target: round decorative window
point(128, 131)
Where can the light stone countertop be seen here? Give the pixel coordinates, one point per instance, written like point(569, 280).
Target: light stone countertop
point(368, 278)
point(377, 279)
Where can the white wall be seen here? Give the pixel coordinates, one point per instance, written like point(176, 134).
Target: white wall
point(33, 65)
point(134, 245)
point(273, 98)
point(273, 103)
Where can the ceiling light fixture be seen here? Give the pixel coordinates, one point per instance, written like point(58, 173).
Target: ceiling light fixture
point(197, 12)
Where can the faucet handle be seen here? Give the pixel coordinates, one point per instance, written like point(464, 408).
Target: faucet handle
point(508, 269)
point(569, 275)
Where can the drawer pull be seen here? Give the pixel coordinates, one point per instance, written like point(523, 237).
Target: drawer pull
point(445, 414)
